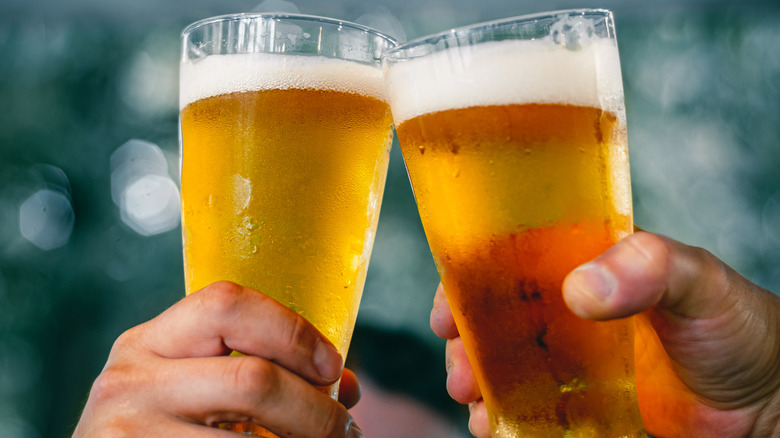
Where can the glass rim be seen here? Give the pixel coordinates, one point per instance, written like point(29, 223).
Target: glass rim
point(289, 16)
point(456, 31)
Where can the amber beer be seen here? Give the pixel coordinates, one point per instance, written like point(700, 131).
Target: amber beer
point(517, 154)
point(284, 158)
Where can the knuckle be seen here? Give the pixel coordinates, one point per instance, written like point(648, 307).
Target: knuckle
point(129, 345)
point(117, 427)
point(113, 382)
point(298, 335)
point(222, 297)
point(257, 379)
point(652, 246)
point(336, 421)
point(125, 340)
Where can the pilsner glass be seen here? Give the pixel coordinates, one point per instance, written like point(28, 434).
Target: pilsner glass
point(285, 136)
point(514, 137)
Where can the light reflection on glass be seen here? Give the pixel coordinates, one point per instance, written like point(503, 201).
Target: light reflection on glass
point(147, 196)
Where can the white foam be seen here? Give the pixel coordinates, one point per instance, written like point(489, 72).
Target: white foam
point(507, 72)
point(223, 74)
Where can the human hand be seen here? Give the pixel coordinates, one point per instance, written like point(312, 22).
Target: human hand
point(707, 340)
point(172, 376)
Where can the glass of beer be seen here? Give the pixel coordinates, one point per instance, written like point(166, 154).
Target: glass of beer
point(285, 136)
point(514, 136)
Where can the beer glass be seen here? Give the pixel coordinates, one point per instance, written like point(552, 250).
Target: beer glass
point(514, 137)
point(285, 136)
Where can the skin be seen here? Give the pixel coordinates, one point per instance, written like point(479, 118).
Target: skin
point(172, 376)
point(707, 340)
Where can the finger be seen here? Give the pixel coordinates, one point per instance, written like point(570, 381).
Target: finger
point(246, 388)
point(225, 316)
point(349, 389)
point(706, 316)
point(442, 322)
point(591, 290)
point(125, 423)
point(479, 425)
point(461, 383)
point(644, 270)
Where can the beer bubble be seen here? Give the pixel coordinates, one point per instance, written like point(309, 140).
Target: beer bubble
point(266, 71)
point(497, 72)
point(571, 31)
point(575, 385)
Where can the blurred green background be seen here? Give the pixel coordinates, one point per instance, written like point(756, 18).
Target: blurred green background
point(90, 242)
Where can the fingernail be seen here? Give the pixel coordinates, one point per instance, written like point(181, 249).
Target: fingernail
point(354, 431)
point(327, 360)
point(596, 281)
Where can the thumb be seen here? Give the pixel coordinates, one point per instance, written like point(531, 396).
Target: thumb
point(718, 332)
point(707, 316)
point(645, 270)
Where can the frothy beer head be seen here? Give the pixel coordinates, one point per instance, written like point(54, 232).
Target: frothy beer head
point(224, 74)
point(543, 70)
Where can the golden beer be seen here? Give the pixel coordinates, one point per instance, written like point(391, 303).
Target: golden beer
point(517, 183)
point(281, 192)
point(284, 158)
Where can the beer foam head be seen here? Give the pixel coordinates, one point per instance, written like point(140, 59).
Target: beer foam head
point(224, 74)
point(507, 72)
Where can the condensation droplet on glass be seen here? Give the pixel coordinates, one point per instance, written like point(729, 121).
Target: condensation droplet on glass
point(242, 193)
